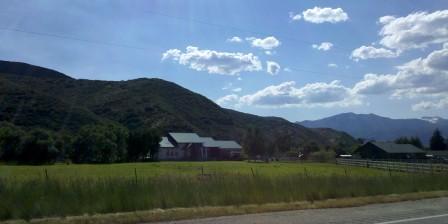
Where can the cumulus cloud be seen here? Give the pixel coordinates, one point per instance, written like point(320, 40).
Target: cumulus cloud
point(332, 65)
point(295, 16)
point(272, 67)
point(324, 46)
point(267, 43)
point(322, 15)
point(214, 62)
point(235, 39)
point(230, 100)
point(416, 30)
point(367, 52)
point(238, 89)
point(421, 77)
point(429, 105)
point(288, 95)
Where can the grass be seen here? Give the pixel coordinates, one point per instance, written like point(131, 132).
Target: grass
point(157, 215)
point(64, 171)
point(95, 189)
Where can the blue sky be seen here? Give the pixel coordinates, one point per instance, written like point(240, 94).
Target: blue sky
point(294, 59)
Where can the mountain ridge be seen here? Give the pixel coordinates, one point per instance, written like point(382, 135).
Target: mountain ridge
point(376, 127)
point(56, 101)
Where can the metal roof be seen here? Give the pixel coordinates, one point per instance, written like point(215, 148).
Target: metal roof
point(228, 145)
point(390, 147)
point(209, 142)
point(185, 137)
point(165, 143)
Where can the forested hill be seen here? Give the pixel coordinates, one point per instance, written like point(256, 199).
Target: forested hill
point(32, 96)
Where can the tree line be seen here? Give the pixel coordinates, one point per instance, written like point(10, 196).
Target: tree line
point(96, 143)
point(436, 143)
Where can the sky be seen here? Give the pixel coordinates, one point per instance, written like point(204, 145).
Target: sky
point(300, 60)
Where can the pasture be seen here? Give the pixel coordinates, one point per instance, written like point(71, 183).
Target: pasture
point(28, 192)
point(75, 171)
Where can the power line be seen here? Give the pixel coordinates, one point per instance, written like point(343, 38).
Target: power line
point(126, 46)
point(75, 39)
point(237, 28)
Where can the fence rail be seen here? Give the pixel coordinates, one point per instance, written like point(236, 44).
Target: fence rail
point(396, 166)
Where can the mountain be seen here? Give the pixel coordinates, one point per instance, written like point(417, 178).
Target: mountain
point(371, 126)
point(32, 96)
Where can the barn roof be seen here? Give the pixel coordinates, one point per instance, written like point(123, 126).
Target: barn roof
point(165, 143)
point(390, 147)
point(228, 145)
point(209, 142)
point(185, 137)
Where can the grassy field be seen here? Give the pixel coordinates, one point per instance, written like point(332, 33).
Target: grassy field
point(26, 192)
point(65, 171)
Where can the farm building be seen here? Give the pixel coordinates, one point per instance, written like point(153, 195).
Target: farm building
point(389, 150)
point(167, 150)
point(190, 146)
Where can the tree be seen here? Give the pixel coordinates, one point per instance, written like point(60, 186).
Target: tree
point(437, 142)
point(64, 144)
point(416, 142)
point(143, 142)
point(254, 143)
point(412, 140)
point(402, 140)
point(37, 148)
point(103, 143)
point(10, 140)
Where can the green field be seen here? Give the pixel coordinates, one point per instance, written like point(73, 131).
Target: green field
point(28, 192)
point(178, 169)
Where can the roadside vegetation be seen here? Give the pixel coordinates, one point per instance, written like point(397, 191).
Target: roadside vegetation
point(64, 190)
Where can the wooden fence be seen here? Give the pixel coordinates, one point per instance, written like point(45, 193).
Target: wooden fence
point(396, 166)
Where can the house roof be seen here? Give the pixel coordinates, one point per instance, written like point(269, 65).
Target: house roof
point(390, 147)
point(165, 143)
point(185, 137)
point(228, 145)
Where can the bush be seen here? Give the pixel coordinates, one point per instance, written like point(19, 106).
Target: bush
point(322, 156)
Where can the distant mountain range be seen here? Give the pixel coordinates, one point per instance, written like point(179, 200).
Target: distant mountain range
point(371, 126)
point(32, 96)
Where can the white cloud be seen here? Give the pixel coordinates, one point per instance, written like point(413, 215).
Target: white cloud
point(287, 69)
point(236, 90)
point(367, 52)
point(214, 62)
point(272, 67)
point(416, 30)
point(324, 46)
point(235, 39)
point(230, 100)
point(314, 94)
point(430, 105)
point(295, 16)
point(267, 43)
point(332, 65)
point(322, 15)
point(422, 77)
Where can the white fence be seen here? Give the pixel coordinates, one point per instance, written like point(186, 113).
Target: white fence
point(396, 166)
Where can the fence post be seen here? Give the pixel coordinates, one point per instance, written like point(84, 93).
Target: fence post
point(46, 174)
point(135, 175)
point(252, 170)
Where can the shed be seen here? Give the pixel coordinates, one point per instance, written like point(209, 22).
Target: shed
point(389, 150)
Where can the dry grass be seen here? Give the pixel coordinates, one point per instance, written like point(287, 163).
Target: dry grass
point(202, 212)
